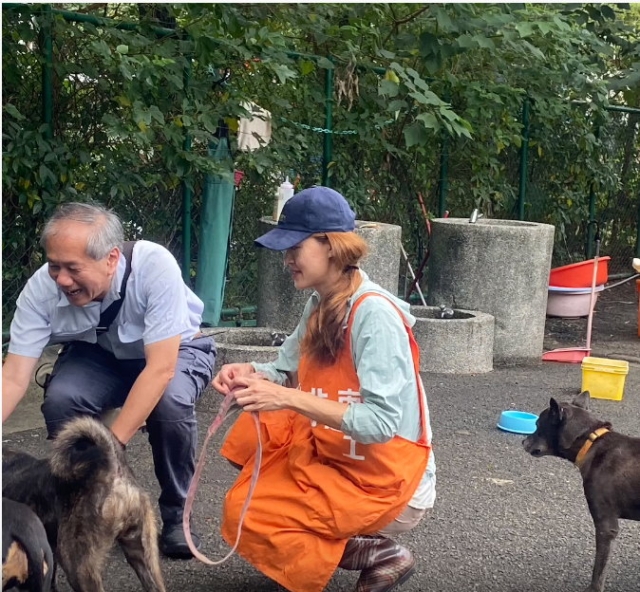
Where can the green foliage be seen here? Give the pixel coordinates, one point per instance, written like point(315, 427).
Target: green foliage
point(137, 104)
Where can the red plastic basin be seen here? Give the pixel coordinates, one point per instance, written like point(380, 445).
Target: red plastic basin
point(580, 275)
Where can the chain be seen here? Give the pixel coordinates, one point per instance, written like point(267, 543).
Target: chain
point(320, 130)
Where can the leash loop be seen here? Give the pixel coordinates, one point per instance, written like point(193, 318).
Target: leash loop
point(223, 413)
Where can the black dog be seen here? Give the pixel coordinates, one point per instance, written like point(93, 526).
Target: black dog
point(27, 561)
point(609, 463)
point(87, 499)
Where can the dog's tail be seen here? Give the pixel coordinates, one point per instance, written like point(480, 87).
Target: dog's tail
point(83, 450)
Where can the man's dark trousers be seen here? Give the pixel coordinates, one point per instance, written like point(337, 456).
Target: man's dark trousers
point(87, 379)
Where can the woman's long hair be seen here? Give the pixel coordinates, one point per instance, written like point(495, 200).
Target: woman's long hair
point(325, 335)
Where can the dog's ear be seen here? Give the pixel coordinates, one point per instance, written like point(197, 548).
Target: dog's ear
point(582, 400)
point(556, 412)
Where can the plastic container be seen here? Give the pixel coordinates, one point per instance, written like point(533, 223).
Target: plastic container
point(604, 378)
point(517, 422)
point(580, 275)
point(285, 191)
point(570, 303)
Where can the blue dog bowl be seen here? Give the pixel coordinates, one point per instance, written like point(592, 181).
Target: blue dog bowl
point(518, 422)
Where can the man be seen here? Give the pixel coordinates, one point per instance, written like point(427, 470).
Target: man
point(150, 360)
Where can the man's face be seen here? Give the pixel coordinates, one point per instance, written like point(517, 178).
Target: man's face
point(80, 277)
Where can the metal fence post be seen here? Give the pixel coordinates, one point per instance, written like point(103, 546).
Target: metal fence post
point(47, 71)
point(524, 153)
point(589, 250)
point(327, 150)
point(187, 192)
point(444, 166)
point(444, 175)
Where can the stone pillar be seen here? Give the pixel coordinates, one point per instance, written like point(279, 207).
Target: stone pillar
point(500, 267)
point(280, 305)
point(462, 344)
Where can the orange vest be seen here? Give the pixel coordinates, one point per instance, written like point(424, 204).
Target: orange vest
point(317, 486)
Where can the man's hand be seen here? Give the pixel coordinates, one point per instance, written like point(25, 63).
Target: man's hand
point(161, 358)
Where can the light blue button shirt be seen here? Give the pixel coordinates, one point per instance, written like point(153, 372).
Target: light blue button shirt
point(388, 385)
point(157, 305)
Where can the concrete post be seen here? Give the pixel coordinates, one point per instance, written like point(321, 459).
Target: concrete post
point(500, 267)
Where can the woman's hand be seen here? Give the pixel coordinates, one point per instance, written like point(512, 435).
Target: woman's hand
point(254, 393)
point(223, 381)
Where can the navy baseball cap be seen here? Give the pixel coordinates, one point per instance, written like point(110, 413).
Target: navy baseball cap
point(313, 210)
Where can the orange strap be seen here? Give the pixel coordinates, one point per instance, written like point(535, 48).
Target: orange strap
point(593, 436)
point(415, 353)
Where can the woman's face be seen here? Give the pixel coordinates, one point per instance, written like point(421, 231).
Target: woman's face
point(310, 264)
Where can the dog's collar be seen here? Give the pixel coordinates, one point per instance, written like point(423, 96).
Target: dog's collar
point(593, 436)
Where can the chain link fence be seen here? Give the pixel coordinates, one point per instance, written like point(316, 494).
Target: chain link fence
point(381, 183)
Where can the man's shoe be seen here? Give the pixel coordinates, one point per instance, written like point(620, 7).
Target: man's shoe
point(173, 543)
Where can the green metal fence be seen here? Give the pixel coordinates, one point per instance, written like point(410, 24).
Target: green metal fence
point(524, 188)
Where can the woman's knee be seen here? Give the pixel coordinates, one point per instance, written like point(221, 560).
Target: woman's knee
point(409, 519)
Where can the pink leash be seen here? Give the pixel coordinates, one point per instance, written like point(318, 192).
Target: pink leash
point(226, 406)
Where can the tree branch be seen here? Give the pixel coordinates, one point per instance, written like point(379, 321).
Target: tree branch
point(417, 13)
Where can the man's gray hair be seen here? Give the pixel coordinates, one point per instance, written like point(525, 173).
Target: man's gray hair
point(107, 232)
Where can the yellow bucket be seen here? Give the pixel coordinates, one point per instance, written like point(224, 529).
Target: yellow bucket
point(603, 378)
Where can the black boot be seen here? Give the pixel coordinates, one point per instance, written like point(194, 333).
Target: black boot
point(173, 543)
point(383, 562)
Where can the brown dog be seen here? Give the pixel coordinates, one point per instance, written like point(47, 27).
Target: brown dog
point(87, 499)
point(609, 464)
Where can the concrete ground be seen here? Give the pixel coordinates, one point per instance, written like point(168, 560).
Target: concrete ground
point(503, 521)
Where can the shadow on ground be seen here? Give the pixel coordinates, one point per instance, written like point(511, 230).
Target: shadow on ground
point(503, 521)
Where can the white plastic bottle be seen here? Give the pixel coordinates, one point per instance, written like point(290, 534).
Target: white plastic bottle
point(285, 191)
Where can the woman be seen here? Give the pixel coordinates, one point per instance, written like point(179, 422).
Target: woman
point(347, 454)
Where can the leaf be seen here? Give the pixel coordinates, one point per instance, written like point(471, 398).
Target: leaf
point(325, 63)
point(123, 101)
point(444, 22)
point(484, 42)
point(306, 67)
point(388, 88)
point(415, 134)
point(122, 49)
point(46, 175)
point(534, 50)
point(386, 54)
point(392, 76)
point(426, 98)
point(544, 28)
point(156, 114)
point(284, 73)
point(11, 110)
point(524, 29)
point(466, 41)
point(429, 120)
point(397, 105)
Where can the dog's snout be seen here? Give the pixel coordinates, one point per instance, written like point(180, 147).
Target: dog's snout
point(535, 446)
